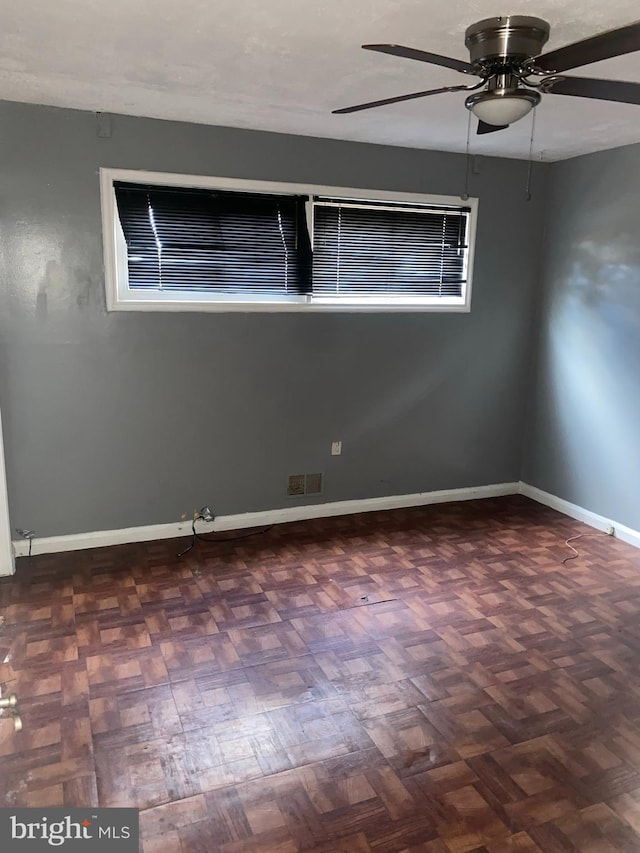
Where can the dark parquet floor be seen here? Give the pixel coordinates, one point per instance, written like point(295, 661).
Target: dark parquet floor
point(431, 680)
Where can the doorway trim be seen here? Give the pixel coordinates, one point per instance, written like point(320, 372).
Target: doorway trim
point(7, 560)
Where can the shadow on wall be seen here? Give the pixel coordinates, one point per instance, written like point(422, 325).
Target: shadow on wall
point(591, 364)
point(606, 276)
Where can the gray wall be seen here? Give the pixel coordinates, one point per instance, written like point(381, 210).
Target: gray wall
point(124, 419)
point(584, 425)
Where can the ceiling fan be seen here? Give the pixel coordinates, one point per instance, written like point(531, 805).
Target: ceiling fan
point(505, 54)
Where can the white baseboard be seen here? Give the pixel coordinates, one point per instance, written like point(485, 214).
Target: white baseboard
point(100, 538)
point(599, 522)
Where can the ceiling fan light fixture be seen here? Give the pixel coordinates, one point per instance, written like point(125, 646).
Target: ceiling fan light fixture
point(502, 106)
point(505, 52)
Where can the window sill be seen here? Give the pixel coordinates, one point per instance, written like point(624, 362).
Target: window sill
point(280, 306)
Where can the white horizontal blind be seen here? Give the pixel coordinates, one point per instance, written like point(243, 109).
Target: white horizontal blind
point(386, 250)
point(210, 241)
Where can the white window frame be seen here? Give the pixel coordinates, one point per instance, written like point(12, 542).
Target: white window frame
point(121, 298)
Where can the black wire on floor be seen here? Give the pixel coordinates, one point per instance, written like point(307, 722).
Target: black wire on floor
point(195, 536)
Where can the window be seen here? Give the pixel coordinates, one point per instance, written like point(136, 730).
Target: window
point(218, 243)
point(370, 251)
point(184, 243)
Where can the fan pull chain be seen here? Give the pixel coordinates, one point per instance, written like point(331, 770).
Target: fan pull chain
point(465, 194)
point(530, 167)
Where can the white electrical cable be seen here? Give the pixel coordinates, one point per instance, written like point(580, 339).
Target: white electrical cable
point(579, 536)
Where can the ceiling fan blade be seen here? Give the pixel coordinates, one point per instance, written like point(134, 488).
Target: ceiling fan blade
point(589, 87)
point(603, 46)
point(422, 56)
point(399, 98)
point(483, 127)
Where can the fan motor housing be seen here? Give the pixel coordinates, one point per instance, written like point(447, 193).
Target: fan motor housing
point(511, 37)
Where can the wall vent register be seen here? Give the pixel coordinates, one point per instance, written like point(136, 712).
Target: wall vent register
point(304, 484)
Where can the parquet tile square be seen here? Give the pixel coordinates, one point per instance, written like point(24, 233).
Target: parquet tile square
point(432, 680)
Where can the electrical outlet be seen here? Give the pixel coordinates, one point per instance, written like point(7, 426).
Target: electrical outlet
point(206, 515)
point(26, 534)
point(336, 448)
point(29, 535)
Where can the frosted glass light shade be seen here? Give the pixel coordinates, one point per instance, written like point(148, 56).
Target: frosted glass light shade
point(500, 107)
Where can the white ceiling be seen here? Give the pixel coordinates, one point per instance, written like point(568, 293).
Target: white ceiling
point(283, 65)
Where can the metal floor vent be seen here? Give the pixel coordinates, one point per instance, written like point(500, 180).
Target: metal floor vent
point(304, 484)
